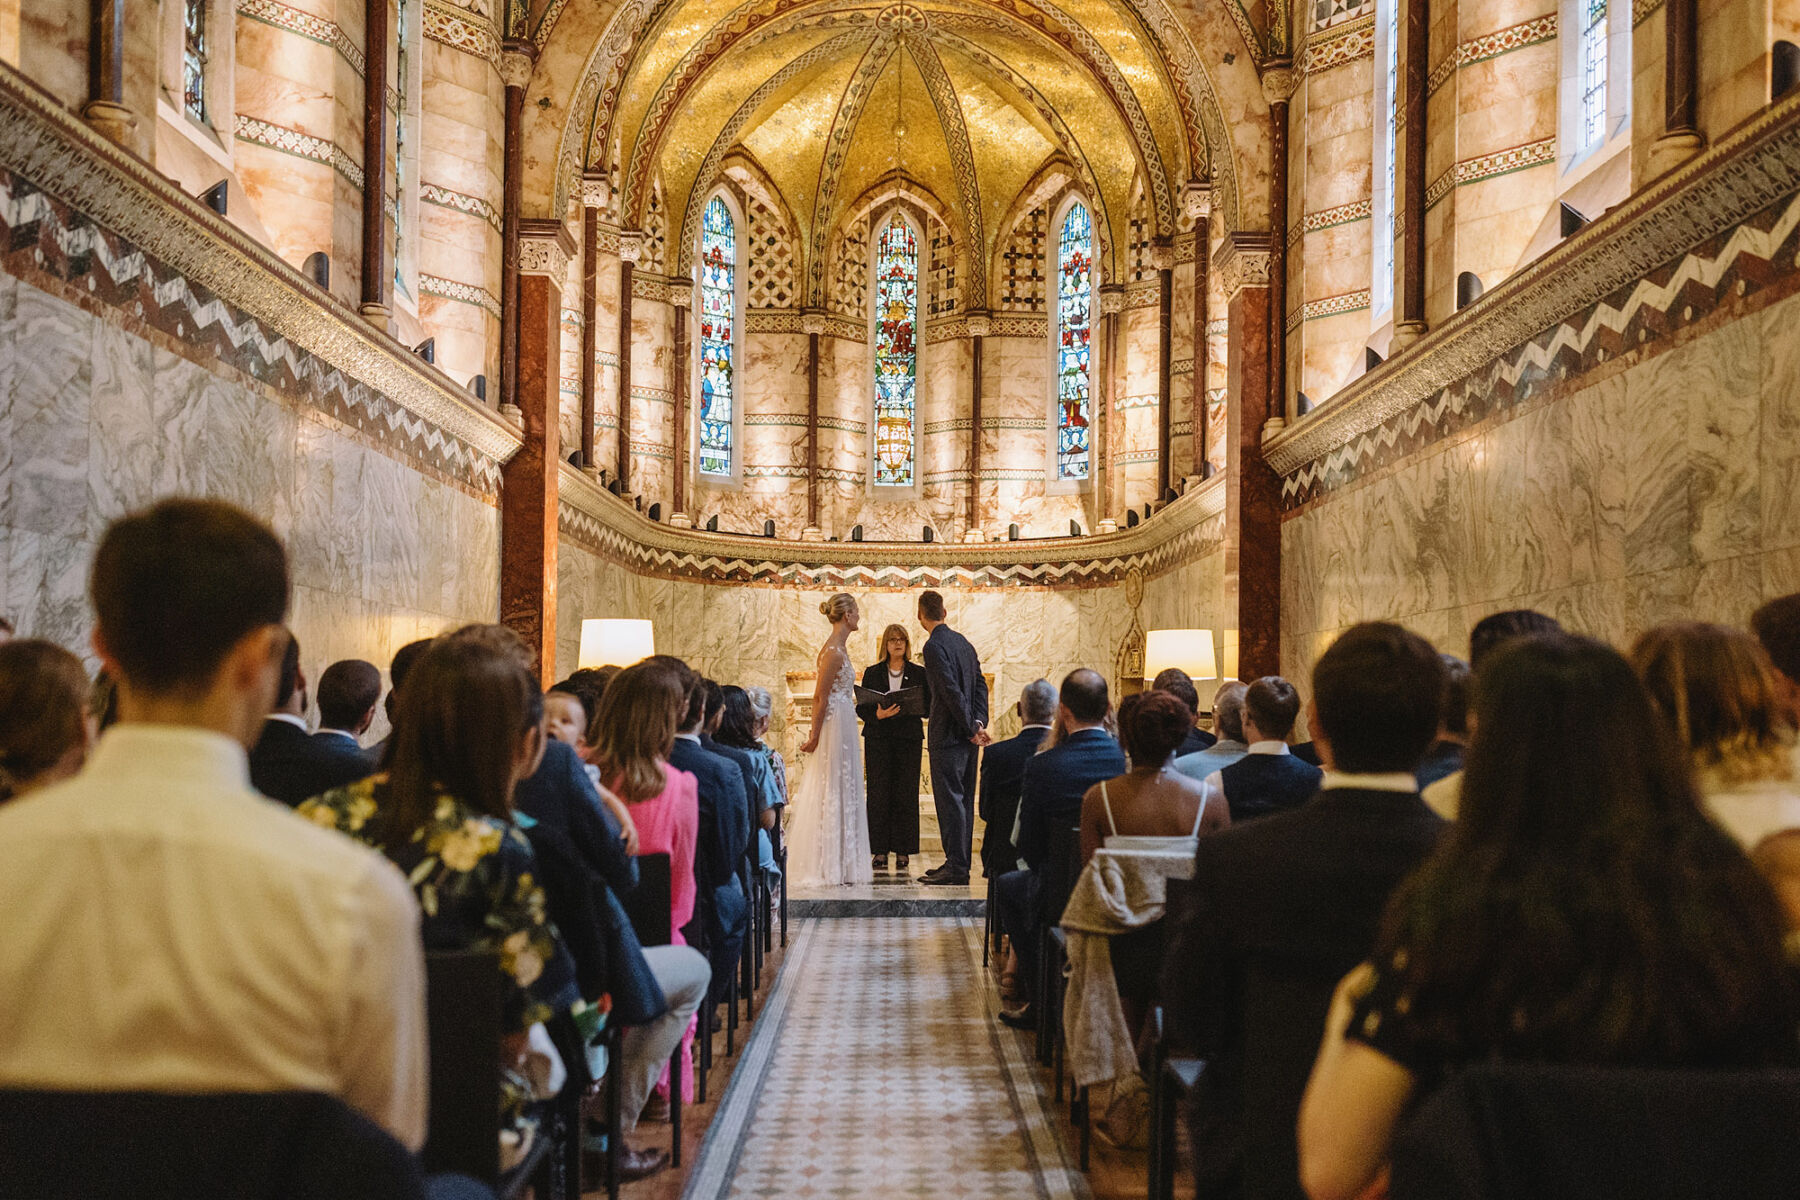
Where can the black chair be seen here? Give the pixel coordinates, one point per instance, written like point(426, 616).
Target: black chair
point(1518, 1131)
point(1062, 866)
point(778, 842)
point(227, 1146)
point(1172, 1080)
point(650, 907)
point(463, 1012)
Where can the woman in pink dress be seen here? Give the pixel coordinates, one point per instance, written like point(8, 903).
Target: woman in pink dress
point(635, 728)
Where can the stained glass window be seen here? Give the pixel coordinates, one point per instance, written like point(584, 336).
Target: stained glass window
point(193, 59)
point(1383, 286)
point(1593, 71)
point(896, 352)
point(718, 312)
point(1074, 303)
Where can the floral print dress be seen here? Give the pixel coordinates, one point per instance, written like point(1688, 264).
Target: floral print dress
point(474, 877)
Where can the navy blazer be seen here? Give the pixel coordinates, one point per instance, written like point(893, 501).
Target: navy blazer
point(1002, 771)
point(959, 696)
point(724, 811)
point(560, 795)
point(1054, 782)
point(291, 765)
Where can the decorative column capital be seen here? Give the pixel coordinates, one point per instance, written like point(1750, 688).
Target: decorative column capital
point(1162, 254)
point(517, 58)
point(681, 293)
point(1196, 201)
point(546, 247)
point(596, 192)
point(1112, 299)
point(1278, 82)
point(631, 245)
point(812, 323)
point(1242, 262)
point(980, 324)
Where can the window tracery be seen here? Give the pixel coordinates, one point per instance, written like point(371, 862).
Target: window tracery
point(896, 352)
point(1073, 341)
point(718, 338)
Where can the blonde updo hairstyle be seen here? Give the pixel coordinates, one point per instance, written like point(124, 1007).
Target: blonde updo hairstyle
point(838, 607)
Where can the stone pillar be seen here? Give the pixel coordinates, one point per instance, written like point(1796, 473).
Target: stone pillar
point(528, 482)
point(631, 248)
point(1409, 316)
point(1681, 137)
point(979, 327)
point(1278, 85)
point(1252, 489)
point(681, 296)
point(593, 202)
point(814, 325)
point(105, 109)
point(516, 60)
point(1163, 254)
point(375, 174)
point(1100, 443)
point(1199, 208)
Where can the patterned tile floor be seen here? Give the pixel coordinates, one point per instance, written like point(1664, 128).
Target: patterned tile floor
point(877, 1069)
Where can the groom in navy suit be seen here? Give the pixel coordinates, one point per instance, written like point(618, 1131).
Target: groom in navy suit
point(955, 734)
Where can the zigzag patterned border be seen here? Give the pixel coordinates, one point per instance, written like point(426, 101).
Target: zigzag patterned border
point(1724, 226)
point(462, 293)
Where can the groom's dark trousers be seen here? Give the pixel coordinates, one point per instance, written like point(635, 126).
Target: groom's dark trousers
point(959, 703)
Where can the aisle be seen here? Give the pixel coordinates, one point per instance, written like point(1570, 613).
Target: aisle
point(877, 1070)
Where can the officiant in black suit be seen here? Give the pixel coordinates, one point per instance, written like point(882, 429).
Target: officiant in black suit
point(893, 741)
point(959, 714)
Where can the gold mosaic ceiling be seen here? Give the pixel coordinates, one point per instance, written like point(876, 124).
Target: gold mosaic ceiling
point(983, 94)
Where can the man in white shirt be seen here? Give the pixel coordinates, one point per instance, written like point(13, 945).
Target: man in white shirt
point(168, 929)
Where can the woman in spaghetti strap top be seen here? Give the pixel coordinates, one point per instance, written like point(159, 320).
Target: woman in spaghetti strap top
point(1152, 806)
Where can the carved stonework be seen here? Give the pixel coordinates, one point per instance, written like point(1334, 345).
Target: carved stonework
point(1242, 262)
point(980, 325)
point(812, 323)
point(546, 248)
point(1197, 201)
point(1278, 84)
point(1162, 256)
point(631, 245)
point(681, 293)
point(516, 61)
point(596, 192)
point(1112, 299)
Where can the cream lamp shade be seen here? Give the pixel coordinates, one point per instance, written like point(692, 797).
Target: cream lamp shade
point(1228, 653)
point(615, 642)
point(1189, 649)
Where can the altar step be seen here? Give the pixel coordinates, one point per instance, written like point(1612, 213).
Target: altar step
point(892, 895)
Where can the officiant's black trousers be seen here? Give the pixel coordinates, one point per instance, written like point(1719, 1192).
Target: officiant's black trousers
point(891, 769)
point(953, 781)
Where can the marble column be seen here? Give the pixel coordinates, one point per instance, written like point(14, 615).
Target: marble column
point(631, 248)
point(528, 482)
point(376, 36)
point(1199, 207)
point(814, 325)
point(1278, 85)
point(979, 327)
point(593, 200)
point(1681, 137)
point(681, 296)
point(105, 109)
point(1106, 427)
point(516, 60)
point(1164, 255)
point(1409, 316)
point(1252, 580)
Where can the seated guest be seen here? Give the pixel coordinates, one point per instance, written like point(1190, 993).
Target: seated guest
point(1777, 626)
point(1228, 719)
point(1175, 681)
point(724, 834)
point(1281, 907)
point(761, 706)
point(1267, 779)
point(349, 690)
point(46, 729)
point(1050, 793)
point(286, 764)
point(1002, 771)
point(1582, 911)
point(1489, 634)
point(164, 928)
point(1716, 690)
point(570, 711)
point(1446, 754)
point(402, 662)
point(470, 727)
point(634, 731)
point(737, 732)
point(1148, 806)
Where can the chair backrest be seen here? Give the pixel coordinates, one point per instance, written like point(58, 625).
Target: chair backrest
point(649, 904)
point(1062, 867)
point(227, 1146)
point(463, 1009)
point(1513, 1131)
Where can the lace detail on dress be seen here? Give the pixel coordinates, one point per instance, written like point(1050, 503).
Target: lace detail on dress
point(828, 833)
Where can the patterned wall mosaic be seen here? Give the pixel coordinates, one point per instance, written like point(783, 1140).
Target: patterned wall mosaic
point(1022, 263)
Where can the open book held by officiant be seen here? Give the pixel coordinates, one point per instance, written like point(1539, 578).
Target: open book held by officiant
point(911, 700)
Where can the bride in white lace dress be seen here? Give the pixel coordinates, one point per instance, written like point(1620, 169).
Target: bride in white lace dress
point(828, 832)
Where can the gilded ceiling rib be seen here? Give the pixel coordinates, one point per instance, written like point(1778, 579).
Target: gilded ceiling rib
point(962, 158)
point(837, 144)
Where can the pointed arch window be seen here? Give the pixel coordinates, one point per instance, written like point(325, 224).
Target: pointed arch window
point(1387, 39)
point(718, 338)
point(1072, 339)
point(896, 352)
point(194, 53)
point(1593, 71)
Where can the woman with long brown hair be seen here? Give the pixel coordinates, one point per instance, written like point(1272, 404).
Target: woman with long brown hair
point(46, 730)
point(893, 744)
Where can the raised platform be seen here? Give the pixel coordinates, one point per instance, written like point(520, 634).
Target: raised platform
point(892, 895)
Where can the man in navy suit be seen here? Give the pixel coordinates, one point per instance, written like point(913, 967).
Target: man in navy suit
point(1003, 770)
point(956, 732)
point(287, 763)
point(1050, 799)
